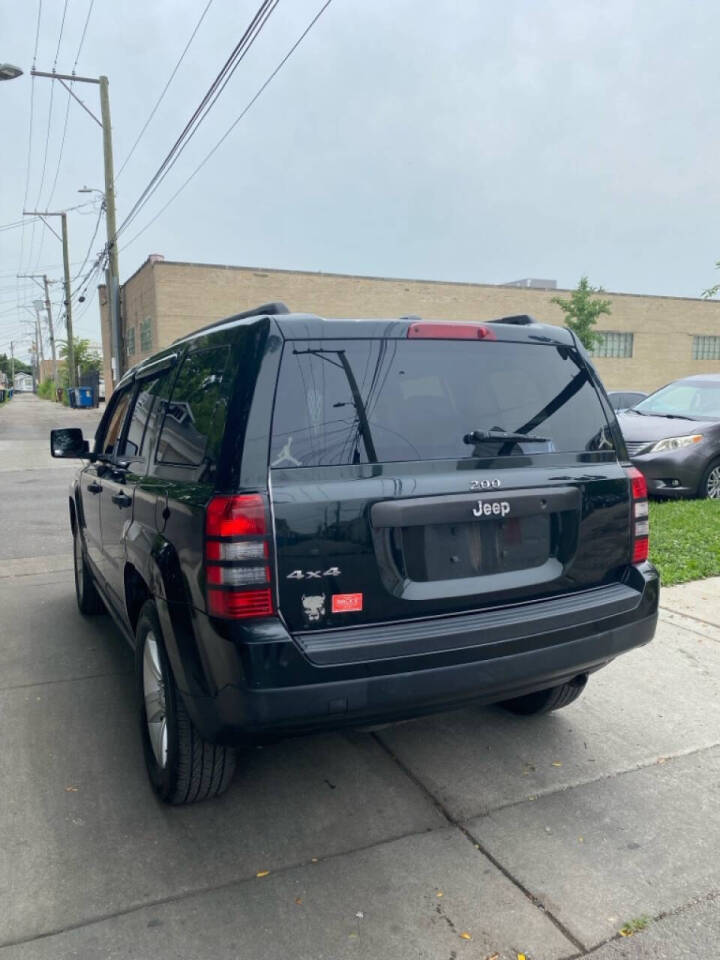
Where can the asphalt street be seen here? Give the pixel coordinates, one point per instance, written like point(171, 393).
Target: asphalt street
point(472, 834)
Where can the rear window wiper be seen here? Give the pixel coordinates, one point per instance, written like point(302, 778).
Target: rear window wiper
point(495, 434)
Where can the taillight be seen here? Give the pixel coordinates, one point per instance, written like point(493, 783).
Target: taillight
point(640, 518)
point(237, 553)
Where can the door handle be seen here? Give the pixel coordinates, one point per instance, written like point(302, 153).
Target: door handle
point(94, 488)
point(121, 499)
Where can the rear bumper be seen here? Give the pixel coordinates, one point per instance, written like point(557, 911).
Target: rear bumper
point(515, 657)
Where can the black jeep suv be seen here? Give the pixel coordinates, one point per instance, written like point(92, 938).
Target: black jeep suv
point(302, 523)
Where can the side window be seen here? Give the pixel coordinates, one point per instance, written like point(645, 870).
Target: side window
point(135, 445)
point(113, 433)
point(195, 416)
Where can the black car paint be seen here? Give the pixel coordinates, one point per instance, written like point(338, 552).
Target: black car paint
point(241, 679)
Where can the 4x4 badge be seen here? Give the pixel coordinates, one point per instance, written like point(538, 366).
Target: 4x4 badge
point(314, 574)
point(501, 508)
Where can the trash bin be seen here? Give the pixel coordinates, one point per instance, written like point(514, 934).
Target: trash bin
point(59, 394)
point(72, 396)
point(84, 397)
point(2, 395)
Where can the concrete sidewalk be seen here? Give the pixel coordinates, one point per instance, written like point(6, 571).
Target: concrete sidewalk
point(471, 834)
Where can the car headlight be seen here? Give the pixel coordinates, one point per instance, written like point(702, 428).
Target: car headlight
point(674, 443)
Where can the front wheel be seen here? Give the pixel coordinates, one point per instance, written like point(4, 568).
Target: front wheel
point(545, 701)
point(182, 766)
point(710, 483)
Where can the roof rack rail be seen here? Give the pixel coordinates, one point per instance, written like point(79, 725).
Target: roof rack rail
point(518, 320)
point(264, 310)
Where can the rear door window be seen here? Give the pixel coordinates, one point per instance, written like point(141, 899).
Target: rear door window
point(360, 401)
point(109, 443)
point(194, 416)
point(148, 391)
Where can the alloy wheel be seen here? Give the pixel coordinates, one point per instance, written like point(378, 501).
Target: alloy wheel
point(712, 484)
point(155, 706)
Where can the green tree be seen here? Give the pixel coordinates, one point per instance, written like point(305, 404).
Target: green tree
point(582, 311)
point(87, 359)
point(712, 291)
point(6, 365)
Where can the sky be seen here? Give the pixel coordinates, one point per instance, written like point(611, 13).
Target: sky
point(479, 142)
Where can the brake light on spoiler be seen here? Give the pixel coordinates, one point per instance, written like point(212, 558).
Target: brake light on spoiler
point(640, 516)
point(450, 331)
point(237, 557)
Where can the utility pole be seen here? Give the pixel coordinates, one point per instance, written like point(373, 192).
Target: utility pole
point(72, 372)
point(113, 278)
point(38, 328)
point(113, 274)
point(48, 307)
point(12, 365)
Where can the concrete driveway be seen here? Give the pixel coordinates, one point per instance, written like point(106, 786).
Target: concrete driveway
point(472, 834)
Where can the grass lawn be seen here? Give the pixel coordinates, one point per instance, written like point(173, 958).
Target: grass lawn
point(685, 539)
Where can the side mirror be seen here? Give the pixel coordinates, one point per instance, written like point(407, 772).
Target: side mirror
point(68, 443)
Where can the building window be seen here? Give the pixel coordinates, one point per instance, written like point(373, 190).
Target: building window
point(145, 335)
point(613, 344)
point(130, 340)
point(706, 348)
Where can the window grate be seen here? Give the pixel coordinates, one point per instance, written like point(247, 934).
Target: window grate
point(130, 341)
point(613, 344)
point(146, 335)
point(706, 348)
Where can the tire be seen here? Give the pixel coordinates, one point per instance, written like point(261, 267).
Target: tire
point(88, 599)
point(710, 484)
point(545, 701)
point(182, 766)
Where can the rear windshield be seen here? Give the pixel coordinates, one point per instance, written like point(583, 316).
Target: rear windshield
point(365, 401)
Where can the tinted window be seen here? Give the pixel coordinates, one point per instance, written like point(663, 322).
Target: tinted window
point(115, 424)
point(364, 400)
point(195, 414)
point(142, 412)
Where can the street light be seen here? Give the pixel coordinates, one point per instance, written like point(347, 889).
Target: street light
point(9, 72)
point(113, 272)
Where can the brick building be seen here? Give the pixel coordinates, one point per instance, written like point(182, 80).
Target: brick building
point(647, 340)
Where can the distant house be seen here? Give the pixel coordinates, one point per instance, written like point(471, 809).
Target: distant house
point(23, 383)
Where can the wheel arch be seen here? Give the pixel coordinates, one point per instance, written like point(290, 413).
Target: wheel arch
point(137, 592)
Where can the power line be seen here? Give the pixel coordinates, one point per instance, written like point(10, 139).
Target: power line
point(204, 107)
point(62, 27)
point(37, 33)
point(30, 137)
point(232, 126)
point(82, 38)
point(44, 168)
point(164, 90)
point(18, 223)
point(92, 241)
point(48, 202)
